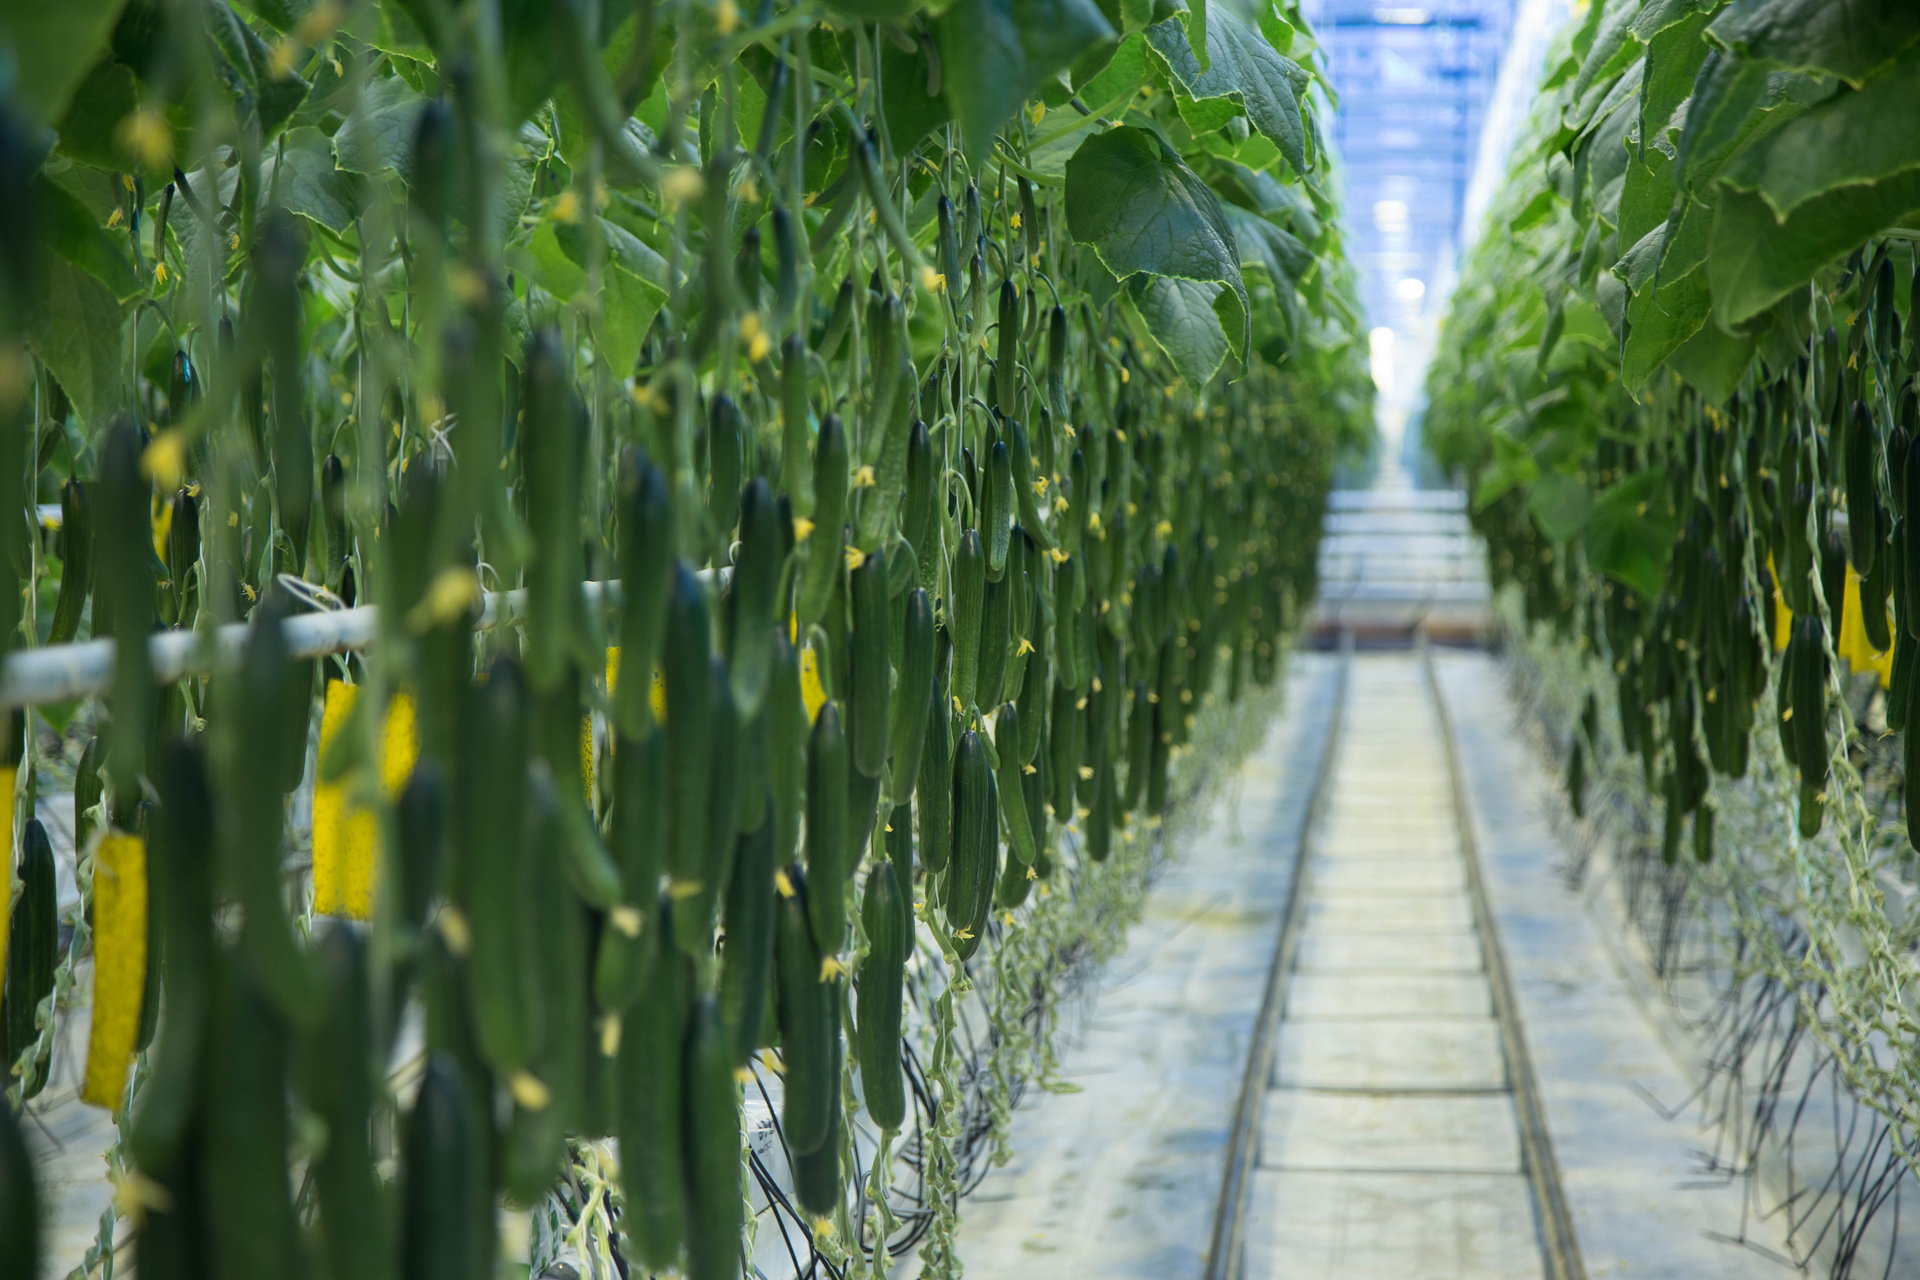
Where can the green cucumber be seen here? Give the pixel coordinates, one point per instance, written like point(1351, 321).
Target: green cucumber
point(1006, 378)
point(934, 793)
point(996, 613)
point(1863, 497)
point(724, 461)
point(963, 617)
point(827, 842)
point(796, 418)
point(899, 834)
point(1063, 742)
point(917, 510)
point(648, 1109)
point(32, 945)
point(753, 599)
point(817, 1183)
point(711, 1147)
point(1006, 730)
point(697, 910)
point(825, 564)
point(907, 730)
point(786, 747)
point(690, 745)
point(639, 844)
point(339, 1086)
point(1807, 676)
point(419, 819)
point(1069, 598)
point(867, 694)
point(809, 1019)
point(646, 540)
point(884, 912)
point(76, 562)
point(440, 1196)
point(552, 449)
point(746, 960)
point(251, 1223)
point(970, 873)
point(19, 1201)
point(997, 507)
point(499, 874)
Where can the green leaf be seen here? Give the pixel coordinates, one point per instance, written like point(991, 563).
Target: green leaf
point(379, 134)
point(1245, 70)
point(1137, 204)
point(304, 180)
point(1614, 47)
point(65, 225)
point(1262, 244)
point(53, 45)
point(1857, 136)
point(632, 284)
point(89, 128)
point(1674, 56)
point(912, 112)
point(1180, 315)
point(1713, 362)
point(1629, 532)
point(1559, 504)
point(74, 327)
point(273, 98)
point(1754, 260)
point(994, 54)
point(1513, 464)
point(1659, 319)
point(1536, 211)
point(1851, 39)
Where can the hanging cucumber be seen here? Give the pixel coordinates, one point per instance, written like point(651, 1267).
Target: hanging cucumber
point(1006, 736)
point(646, 576)
point(648, 1109)
point(817, 1184)
point(1863, 495)
point(824, 565)
point(885, 915)
point(32, 946)
point(907, 727)
point(975, 859)
point(752, 600)
point(933, 797)
point(339, 1086)
point(441, 1194)
point(917, 507)
point(251, 1222)
point(639, 845)
point(711, 1147)
point(786, 723)
point(498, 874)
point(796, 477)
point(746, 960)
point(963, 617)
point(696, 910)
point(997, 505)
point(867, 699)
point(827, 844)
point(76, 562)
point(809, 1019)
point(690, 743)
point(725, 451)
point(19, 1201)
point(996, 615)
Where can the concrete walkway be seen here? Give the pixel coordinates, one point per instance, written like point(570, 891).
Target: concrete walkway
point(1390, 1145)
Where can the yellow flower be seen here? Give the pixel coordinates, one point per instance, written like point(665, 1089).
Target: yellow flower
point(566, 207)
point(1013, 222)
point(863, 478)
point(782, 883)
point(146, 136)
point(679, 890)
point(932, 281)
point(726, 16)
point(802, 527)
point(286, 50)
point(855, 558)
point(165, 460)
point(831, 968)
point(683, 183)
point(160, 272)
point(115, 218)
point(321, 21)
point(529, 1092)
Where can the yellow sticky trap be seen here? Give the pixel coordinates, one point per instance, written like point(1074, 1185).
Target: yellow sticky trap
point(346, 835)
point(119, 965)
point(6, 865)
point(812, 692)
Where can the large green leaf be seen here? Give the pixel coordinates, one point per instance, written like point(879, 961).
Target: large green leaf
point(74, 328)
point(65, 225)
point(89, 128)
point(1713, 361)
point(1261, 243)
point(303, 178)
point(1245, 70)
point(1659, 320)
point(632, 284)
point(1141, 208)
point(1614, 47)
point(53, 43)
point(379, 134)
point(1559, 504)
point(913, 110)
point(272, 96)
point(1629, 532)
point(1850, 39)
point(1180, 316)
point(994, 54)
point(1754, 259)
point(1857, 136)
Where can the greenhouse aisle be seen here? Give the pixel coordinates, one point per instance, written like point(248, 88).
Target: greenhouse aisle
point(1391, 1141)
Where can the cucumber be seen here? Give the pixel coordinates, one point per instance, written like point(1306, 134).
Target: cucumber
point(817, 1184)
point(552, 456)
point(1006, 729)
point(724, 455)
point(710, 1144)
point(419, 819)
point(796, 478)
point(1036, 689)
point(339, 1086)
point(1100, 814)
point(964, 617)
point(76, 562)
point(786, 723)
point(907, 728)
point(824, 565)
point(1863, 497)
point(697, 910)
point(827, 842)
point(32, 945)
point(441, 1186)
point(809, 1020)
point(1808, 678)
point(934, 792)
point(1027, 500)
point(899, 834)
point(690, 750)
point(1069, 597)
point(181, 883)
point(1033, 791)
point(752, 601)
point(251, 1223)
point(997, 507)
point(995, 618)
point(868, 691)
point(639, 843)
point(917, 508)
point(646, 541)
point(499, 875)
point(19, 1202)
point(863, 808)
point(884, 912)
point(970, 873)
point(534, 1142)
point(1016, 879)
point(1006, 379)
point(746, 961)
point(649, 1088)
point(1064, 737)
